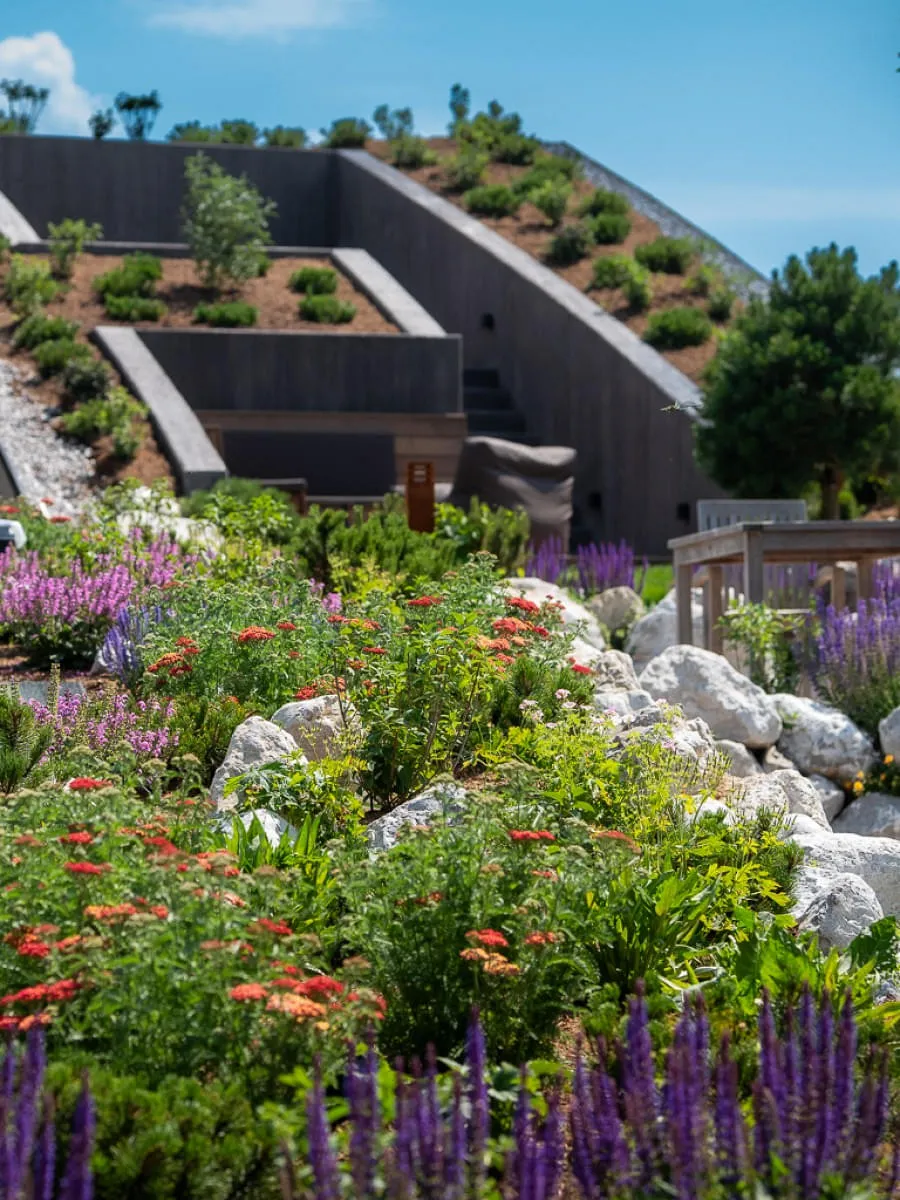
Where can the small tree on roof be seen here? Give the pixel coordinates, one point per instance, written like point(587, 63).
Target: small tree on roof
point(26, 103)
point(138, 113)
point(804, 388)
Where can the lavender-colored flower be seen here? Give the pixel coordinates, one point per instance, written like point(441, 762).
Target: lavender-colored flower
point(321, 1156)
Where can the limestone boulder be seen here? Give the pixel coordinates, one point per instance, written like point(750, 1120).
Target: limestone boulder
point(320, 727)
point(254, 743)
point(820, 740)
point(617, 608)
point(707, 686)
point(870, 815)
point(621, 703)
point(836, 907)
point(874, 859)
point(658, 630)
point(273, 826)
point(889, 733)
point(442, 801)
point(831, 794)
point(741, 763)
point(614, 671)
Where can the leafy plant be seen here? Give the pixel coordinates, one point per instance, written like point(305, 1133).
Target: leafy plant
point(134, 308)
point(110, 414)
point(234, 314)
point(500, 134)
point(290, 137)
point(86, 379)
point(678, 327)
point(101, 123)
point(668, 255)
point(638, 290)
point(347, 133)
point(53, 357)
point(703, 280)
point(609, 229)
point(67, 241)
point(603, 201)
point(570, 245)
point(768, 636)
point(193, 131)
point(42, 328)
point(28, 285)
point(302, 793)
point(409, 152)
point(326, 310)
point(23, 743)
point(720, 304)
point(138, 275)
point(138, 113)
point(492, 200)
point(238, 132)
point(552, 199)
point(465, 170)
point(460, 105)
point(314, 281)
point(614, 270)
point(225, 221)
point(26, 103)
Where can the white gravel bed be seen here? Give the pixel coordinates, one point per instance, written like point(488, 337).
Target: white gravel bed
point(46, 466)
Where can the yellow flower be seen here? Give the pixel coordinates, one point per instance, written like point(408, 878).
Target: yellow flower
point(859, 775)
point(858, 786)
point(888, 759)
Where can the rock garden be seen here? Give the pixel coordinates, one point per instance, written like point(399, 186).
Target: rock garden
point(338, 860)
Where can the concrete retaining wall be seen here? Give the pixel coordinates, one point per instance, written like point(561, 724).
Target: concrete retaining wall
point(246, 370)
point(135, 189)
point(580, 377)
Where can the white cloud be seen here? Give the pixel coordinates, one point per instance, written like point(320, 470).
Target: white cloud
point(45, 61)
point(751, 202)
point(256, 18)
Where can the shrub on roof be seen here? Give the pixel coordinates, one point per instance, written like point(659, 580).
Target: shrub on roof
point(552, 199)
point(53, 357)
point(465, 170)
point(347, 133)
point(721, 303)
point(570, 245)
point(614, 270)
point(609, 229)
point(288, 137)
point(231, 315)
point(604, 201)
point(28, 285)
point(678, 327)
point(137, 276)
point(314, 281)
point(668, 255)
point(40, 328)
point(85, 379)
point(326, 310)
point(134, 308)
point(226, 223)
point(492, 200)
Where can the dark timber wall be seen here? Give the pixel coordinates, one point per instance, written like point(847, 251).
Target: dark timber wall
point(580, 377)
point(246, 371)
point(134, 189)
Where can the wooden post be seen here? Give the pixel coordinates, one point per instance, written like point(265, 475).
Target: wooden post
point(420, 496)
point(838, 588)
point(865, 576)
point(715, 639)
point(683, 581)
point(754, 581)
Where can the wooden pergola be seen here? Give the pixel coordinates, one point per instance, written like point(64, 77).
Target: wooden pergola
point(755, 544)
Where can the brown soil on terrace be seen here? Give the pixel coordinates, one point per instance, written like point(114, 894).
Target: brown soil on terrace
point(148, 464)
point(531, 231)
point(181, 290)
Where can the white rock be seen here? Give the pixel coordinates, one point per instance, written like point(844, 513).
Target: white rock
point(318, 726)
point(252, 744)
point(274, 827)
point(871, 815)
point(774, 760)
point(875, 859)
point(707, 808)
point(837, 907)
point(889, 733)
point(572, 613)
point(741, 763)
point(658, 630)
point(802, 797)
point(706, 685)
point(831, 794)
point(584, 653)
point(615, 672)
point(617, 608)
point(443, 800)
point(781, 792)
point(821, 740)
point(622, 703)
point(796, 823)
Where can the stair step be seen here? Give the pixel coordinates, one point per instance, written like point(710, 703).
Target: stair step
point(497, 399)
point(492, 422)
point(481, 377)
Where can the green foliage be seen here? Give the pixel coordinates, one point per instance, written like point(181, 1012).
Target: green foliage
point(603, 201)
point(138, 113)
point(112, 414)
point(5, 245)
point(393, 125)
point(290, 137)
point(193, 131)
point(314, 281)
point(767, 636)
point(570, 245)
point(236, 132)
point(23, 742)
point(460, 106)
point(552, 199)
point(638, 290)
point(134, 308)
point(465, 170)
point(242, 508)
point(802, 388)
point(138, 275)
point(499, 134)
point(239, 132)
point(720, 304)
point(86, 379)
point(548, 168)
point(101, 123)
point(668, 255)
point(304, 792)
point(225, 221)
point(347, 133)
point(234, 314)
point(53, 357)
point(183, 1140)
point(492, 200)
point(26, 103)
point(67, 241)
point(678, 327)
point(614, 270)
point(28, 285)
point(703, 280)
point(409, 152)
point(501, 532)
point(326, 310)
point(609, 229)
point(41, 328)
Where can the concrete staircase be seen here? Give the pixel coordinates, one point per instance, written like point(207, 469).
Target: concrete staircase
point(490, 408)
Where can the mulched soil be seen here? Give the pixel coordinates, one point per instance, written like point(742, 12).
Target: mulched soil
point(530, 230)
point(14, 668)
point(182, 291)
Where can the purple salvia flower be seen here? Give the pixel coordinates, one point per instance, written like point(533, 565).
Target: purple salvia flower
point(842, 1109)
point(479, 1105)
point(455, 1147)
point(322, 1160)
point(30, 1086)
point(641, 1095)
point(45, 1156)
point(78, 1181)
point(731, 1136)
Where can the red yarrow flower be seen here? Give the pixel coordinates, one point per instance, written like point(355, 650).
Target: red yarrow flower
point(541, 939)
point(319, 985)
point(306, 693)
point(248, 991)
point(424, 601)
point(83, 868)
point(77, 839)
point(32, 948)
point(508, 625)
point(531, 835)
point(374, 650)
point(255, 633)
point(581, 670)
point(286, 626)
point(523, 605)
point(60, 519)
point(264, 925)
point(487, 937)
point(85, 784)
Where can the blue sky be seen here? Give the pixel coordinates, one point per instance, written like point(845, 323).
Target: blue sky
point(774, 124)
